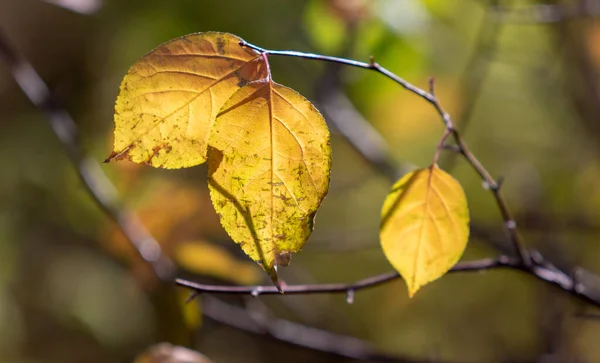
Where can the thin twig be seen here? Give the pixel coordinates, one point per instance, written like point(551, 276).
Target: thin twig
point(441, 145)
point(540, 268)
point(297, 334)
point(344, 288)
point(104, 194)
point(341, 113)
point(430, 97)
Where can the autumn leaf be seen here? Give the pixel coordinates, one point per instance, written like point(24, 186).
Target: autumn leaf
point(205, 96)
point(171, 96)
point(425, 226)
point(269, 163)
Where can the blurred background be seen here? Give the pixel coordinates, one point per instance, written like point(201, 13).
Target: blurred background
point(519, 77)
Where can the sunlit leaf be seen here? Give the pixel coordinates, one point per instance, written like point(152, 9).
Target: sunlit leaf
point(170, 97)
point(269, 162)
point(203, 258)
point(425, 226)
point(205, 96)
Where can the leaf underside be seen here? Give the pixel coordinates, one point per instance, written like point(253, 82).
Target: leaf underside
point(425, 226)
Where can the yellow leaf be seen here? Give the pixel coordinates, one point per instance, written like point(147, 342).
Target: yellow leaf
point(170, 97)
point(425, 226)
point(269, 162)
point(203, 258)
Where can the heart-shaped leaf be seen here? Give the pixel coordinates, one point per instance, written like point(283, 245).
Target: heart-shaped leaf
point(425, 225)
point(269, 162)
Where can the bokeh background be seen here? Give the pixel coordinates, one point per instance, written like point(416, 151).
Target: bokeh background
point(520, 78)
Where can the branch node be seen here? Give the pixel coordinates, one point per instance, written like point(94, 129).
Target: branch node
point(511, 224)
point(432, 85)
point(536, 257)
point(372, 62)
point(490, 185)
point(500, 182)
point(485, 185)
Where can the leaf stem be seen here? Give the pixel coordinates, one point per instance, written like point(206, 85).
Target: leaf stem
point(441, 146)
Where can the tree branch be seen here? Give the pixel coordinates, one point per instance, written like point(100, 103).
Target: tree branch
point(99, 187)
point(103, 192)
point(369, 282)
point(296, 334)
point(588, 290)
point(582, 285)
point(490, 182)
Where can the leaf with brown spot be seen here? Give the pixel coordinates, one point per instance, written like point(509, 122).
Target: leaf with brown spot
point(204, 96)
point(269, 163)
point(171, 96)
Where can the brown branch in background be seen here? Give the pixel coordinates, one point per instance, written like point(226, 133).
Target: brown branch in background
point(104, 194)
point(259, 321)
point(89, 171)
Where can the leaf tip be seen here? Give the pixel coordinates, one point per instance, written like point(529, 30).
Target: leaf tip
point(117, 155)
point(412, 290)
point(109, 158)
